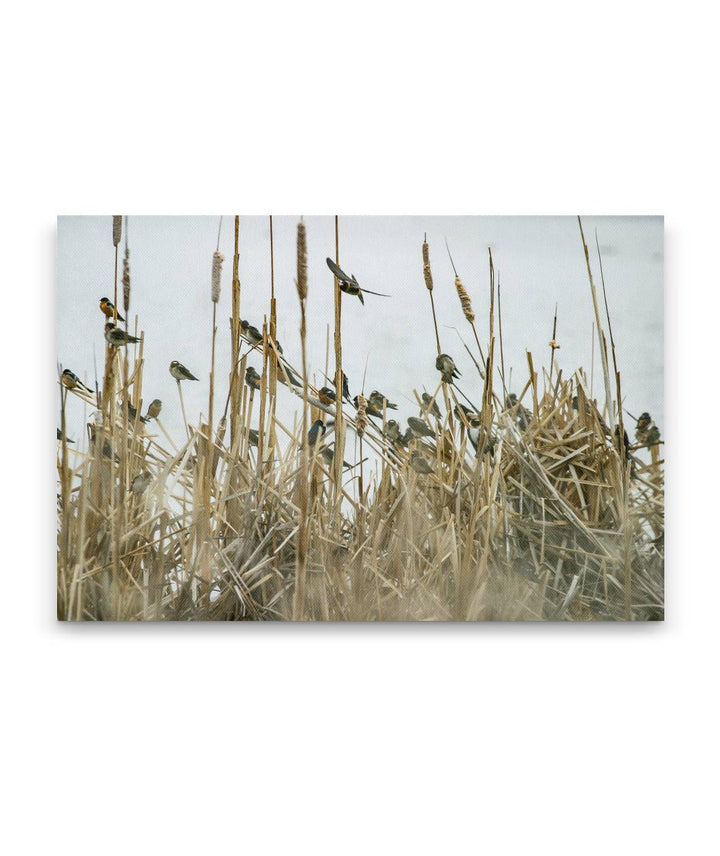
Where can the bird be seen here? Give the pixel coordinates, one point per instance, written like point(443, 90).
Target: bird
point(132, 413)
point(345, 387)
point(326, 396)
point(646, 432)
point(117, 337)
point(252, 378)
point(317, 429)
point(179, 372)
point(393, 433)
point(253, 437)
point(106, 448)
point(328, 455)
point(653, 436)
point(378, 400)
point(292, 378)
point(60, 437)
point(72, 381)
point(430, 406)
point(419, 427)
point(370, 410)
point(419, 463)
point(349, 284)
point(154, 409)
point(625, 442)
point(107, 307)
point(252, 334)
point(140, 482)
point(447, 368)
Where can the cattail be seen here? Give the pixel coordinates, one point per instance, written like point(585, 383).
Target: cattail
point(217, 260)
point(361, 420)
point(427, 273)
point(117, 229)
point(126, 280)
point(301, 281)
point(464, 300)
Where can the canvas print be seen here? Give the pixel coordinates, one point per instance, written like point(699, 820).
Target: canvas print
point(366, 418)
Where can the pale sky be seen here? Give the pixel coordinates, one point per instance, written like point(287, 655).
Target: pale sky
point(539, 261)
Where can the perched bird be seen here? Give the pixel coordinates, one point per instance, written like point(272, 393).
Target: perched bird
point(378, 400)
point(60, 437)
point(179, 372)
point(370, 410)
point(407, 437)
point(317, 429)
point(72, 381)
point(625, 442)
point(132, 413)
point(345, 387)
point(419, 463)
point(328, 455)
point(252, 334)
point(646, 431)
point(106, 448)
point(419, 427)
point(447, 368)
point(116, 337)
point(644, 422)
point(349, 284)
point(140, 482)
point(253, 437)
point(522, 414)
point(252, 378)
point(326, 396)
point(107, 307)
point(154, 409)
point(393, 433)
point(292, 378)
point(653, 435)
point(430, 405)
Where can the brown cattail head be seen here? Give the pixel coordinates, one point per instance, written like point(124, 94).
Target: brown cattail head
point(217, 260)
point(126, 280)
point(464, 300)
point(301, 281)
point(361, 420)
point(117, 229)
point(427, 273)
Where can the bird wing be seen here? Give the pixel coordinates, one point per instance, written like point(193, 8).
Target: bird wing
point(377, 293)
point(340, 274)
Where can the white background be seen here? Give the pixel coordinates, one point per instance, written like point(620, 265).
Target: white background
point(354, 739)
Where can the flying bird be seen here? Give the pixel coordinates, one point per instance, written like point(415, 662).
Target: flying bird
point(179, 372)
point(349, 284)
point(107, 307)
point(447, 368)
point(72, 381)
point(116, 337)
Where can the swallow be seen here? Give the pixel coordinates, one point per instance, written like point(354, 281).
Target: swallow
point(430, 406)
point(378, 400)
point(252, 334)
point(294, 381)
point(328, 455)
point(326, 396)
point(419, 463)
point(625, 443)
point(393, 433)
point(72, 381)
point(140, 482)
point(179, 372)
point(154, 409)
point(253, 437)
point(370, 410)
point(252, 378)
point(345, 387)
point(107, 307)
point(316, 430)
point(447, 368)
point(349, 284)
point(644, 422)
point(419, 427)
point(132, 413)
point(653, 435)
point(60, 437)
point(522, 414)
point(117, 337)
point(106, 449)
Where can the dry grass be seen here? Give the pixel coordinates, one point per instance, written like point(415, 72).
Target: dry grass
point(532, 508)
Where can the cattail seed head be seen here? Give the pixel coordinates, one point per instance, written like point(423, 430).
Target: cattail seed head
point(361, 420)
point(301, 281)
point(217, 260)
point(464, 300)
point(126, 281)
point(117, 229)
point(427, 273)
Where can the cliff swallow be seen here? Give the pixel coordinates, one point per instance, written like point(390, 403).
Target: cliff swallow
point(419, 427)
point(419, 463)
point(154, 409)
point(72, 381)
point(252, 378)
point(140, 482)
point(116, 337)
point(349, 284)
point(447, 368)
point(378, 400)
point(393, 433)
point(316, 430)
point(60, 437)
point(179, 372)
point(429, 405)
point(326, 396)
point(370, 410)
point(107, 307)
point(644, 421)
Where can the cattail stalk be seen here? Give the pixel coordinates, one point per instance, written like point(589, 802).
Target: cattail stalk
point(303, 533)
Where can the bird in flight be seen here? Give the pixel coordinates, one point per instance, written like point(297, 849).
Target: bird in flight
point(349, 284)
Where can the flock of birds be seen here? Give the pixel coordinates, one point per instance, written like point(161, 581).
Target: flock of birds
point(375, 405)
